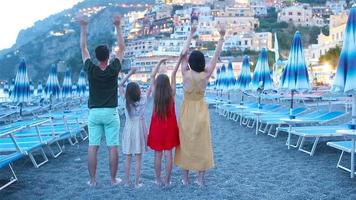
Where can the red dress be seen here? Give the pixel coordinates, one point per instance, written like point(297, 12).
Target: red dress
point(164, 134)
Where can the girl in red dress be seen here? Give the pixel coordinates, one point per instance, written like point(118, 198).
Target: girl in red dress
point(164, 133)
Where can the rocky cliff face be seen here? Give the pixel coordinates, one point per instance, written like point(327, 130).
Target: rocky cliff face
point(56, 40)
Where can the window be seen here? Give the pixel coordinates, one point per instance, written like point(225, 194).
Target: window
point(290, 13)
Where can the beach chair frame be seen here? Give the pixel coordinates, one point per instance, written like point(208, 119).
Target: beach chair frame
point(12, 179)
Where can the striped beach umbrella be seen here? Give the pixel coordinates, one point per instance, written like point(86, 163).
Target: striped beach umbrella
point(295, 74)
point(345, 78)
point(11, 87)
point(74, 90)
point(6, 89)
point(52, 89)
point(223, 82)
point(39, 88)
point(230, 78)
point(67, 85)
point(32, 89)
point(81, 85)
point(217, 78)
point(244, 79)
point(262, 79)
point(21, 89)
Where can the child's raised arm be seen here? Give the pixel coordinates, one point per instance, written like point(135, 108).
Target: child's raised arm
point(174, 73)
point(121, 84)
point(153, 76)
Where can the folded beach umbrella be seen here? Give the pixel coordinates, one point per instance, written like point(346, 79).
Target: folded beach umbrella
point(21, 90)
point(39, 88)
point(67, 85)
point(6, 89)
point(345, 79)
point(52, 89)
point(11, 87)
point(230, 77)
point(295, 74)
point(217, 79)
point(74, 90)
point(262, 79)
point(223, 82)
point(244, 79)
point(81, 85)
point(32, 89)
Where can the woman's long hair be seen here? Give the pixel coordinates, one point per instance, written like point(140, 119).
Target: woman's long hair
point(163, 96)
point(132, 95)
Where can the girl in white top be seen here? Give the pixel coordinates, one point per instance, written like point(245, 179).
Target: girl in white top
point(135, 130)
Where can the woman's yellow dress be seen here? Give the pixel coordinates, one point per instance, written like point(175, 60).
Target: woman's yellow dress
point(195, 149)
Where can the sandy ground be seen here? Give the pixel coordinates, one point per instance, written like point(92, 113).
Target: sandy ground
point(247, 167)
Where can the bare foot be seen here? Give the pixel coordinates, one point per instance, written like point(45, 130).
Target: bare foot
point(184, 182)
point(116, 181)
point(158, 183)
point(139, 185)
point(199, 183)
point(91, 183)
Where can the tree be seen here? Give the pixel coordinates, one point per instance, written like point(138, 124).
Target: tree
point(331, 57)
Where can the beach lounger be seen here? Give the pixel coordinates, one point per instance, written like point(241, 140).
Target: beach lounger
point(27, 146)
point(312, 132)
point(344, 146)
point(316, 117)
point(5, 162)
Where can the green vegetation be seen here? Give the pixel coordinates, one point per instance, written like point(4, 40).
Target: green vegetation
point(331, 57)
point(285, 31)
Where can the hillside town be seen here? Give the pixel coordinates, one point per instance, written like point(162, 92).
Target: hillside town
point(161, 30)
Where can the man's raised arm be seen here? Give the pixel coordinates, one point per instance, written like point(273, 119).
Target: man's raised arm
point(83, 37)
point(119, 37)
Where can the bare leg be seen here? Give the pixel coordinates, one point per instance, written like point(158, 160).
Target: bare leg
point(92, 162)
point(138, 170)
point(114, 159)
point(169, 163)
point(158, 163)
point(127, 169)
point(201, 179)
point(185, 175)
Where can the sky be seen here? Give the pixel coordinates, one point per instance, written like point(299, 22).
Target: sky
point(21, 14)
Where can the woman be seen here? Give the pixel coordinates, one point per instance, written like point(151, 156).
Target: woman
point(195, 150)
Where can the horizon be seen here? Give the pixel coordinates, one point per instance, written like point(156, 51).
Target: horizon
point(14, 18)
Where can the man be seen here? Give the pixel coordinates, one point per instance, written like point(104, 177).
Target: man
point(103, 116)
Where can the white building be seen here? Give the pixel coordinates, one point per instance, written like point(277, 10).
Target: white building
point(336, 6)
point(300, 15)
point(335, 38)
point(259, 7)
point(251, 41)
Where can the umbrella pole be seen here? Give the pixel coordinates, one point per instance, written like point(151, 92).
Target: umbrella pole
point(242, 99)
point(354, 109)
point(259, 100)
point(291, 105)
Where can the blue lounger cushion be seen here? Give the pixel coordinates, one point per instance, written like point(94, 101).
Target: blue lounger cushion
point(341, 145)
point(7, 159)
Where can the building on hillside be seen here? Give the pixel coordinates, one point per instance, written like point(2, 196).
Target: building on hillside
point(335, 38)
point(336, 6)
point(259, 7)
point(237, 25)
point(249, 41)
point(181, 2)
point(300, 15)
point(241, 11)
